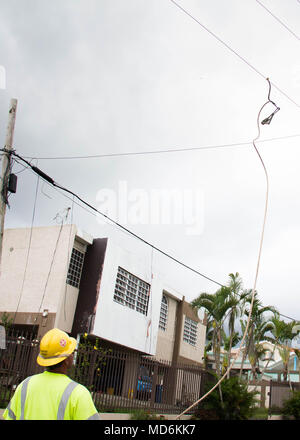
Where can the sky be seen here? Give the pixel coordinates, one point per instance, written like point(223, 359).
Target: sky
point(100, 77)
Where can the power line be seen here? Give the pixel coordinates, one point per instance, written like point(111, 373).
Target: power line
point(50, 269)
point(233, 51)
point(52, 182)
point(52, 262)
point(279, 21)
point(128, 232)
point(29, 247)
point(94, 213)
point(169, 150)
point(265, 121)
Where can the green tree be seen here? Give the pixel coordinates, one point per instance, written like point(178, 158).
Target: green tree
point(236, 297)
point(259, 326)
point(6, 321)
point(229, 342)
point(217, 305)
point(283, 337)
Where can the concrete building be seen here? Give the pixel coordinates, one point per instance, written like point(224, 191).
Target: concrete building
point(39, 286)
point(62, 277)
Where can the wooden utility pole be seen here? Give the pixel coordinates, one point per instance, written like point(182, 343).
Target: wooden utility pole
point(6, 158)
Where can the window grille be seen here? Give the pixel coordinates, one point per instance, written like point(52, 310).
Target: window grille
point(75, 268)
point(190, 331)
point(131, 291)
point(163, 314)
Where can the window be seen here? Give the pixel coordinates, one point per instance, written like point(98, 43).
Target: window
point(163, 314)
point(75, 268)
point(131, 291)
point(190, 331)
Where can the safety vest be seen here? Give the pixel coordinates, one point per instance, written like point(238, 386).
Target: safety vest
point(51, 396)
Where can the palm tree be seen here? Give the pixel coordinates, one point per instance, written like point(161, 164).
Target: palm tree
point(217, 305)
point(208, 345)
point(257, 351)
point(236, 297)
point(229, 341)
point(259, 326)
point(279, 334)
point(285, 352)
point(284, 338)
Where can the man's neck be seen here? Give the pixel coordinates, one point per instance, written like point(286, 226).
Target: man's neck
point(58, 371)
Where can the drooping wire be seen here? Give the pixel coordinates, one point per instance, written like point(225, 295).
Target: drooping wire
point(52, 261)
point(82, 206)
point(258, 260)
point(68, 257)
point(94, 212)
point(29, 247)
point(52, 182)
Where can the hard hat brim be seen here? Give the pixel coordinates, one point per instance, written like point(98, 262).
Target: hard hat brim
point(47, 362)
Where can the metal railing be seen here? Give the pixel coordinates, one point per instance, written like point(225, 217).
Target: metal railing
point(118, 380)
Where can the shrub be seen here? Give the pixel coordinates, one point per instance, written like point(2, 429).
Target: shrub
point(291, 407)
point(238, 403)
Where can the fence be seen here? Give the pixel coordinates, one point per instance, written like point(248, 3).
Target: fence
point(118, 380)
point(17, 361)
point(279, 392)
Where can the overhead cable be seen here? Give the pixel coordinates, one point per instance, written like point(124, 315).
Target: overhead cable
point(259, 255)
point(82, 206)
point(50, 180)
point(279, 21)
point(29, 247)
point(95, 211)
point(161, 151)
point(233, 51)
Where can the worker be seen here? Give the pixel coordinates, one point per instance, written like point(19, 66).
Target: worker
point(52, 395)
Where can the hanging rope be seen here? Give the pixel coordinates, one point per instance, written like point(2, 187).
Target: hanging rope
point(259, 253)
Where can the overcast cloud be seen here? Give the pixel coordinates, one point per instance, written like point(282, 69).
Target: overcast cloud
point(99, 77)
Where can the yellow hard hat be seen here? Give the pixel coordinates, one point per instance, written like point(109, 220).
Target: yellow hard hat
point(55, 347)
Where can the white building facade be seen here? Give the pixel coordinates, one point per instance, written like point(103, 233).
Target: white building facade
point(62, 277)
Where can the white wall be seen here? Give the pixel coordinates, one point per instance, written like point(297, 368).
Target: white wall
point(196, 352)
point(166, 338)
point(16, 245)
point(43, 262)
point(118, 323)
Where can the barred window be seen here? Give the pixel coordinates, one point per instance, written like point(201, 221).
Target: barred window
point(190, 331)
point(75, 268)
point(131, 291)
point(163, 313)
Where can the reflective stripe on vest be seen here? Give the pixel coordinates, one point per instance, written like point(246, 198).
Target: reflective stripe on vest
point(62, 404)
point(94, 417)
point(10, 412)
point(23, 396)
point(64, 400)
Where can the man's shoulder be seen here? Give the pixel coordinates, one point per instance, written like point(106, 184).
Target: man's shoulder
point(27, 379)
point(81, 390)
